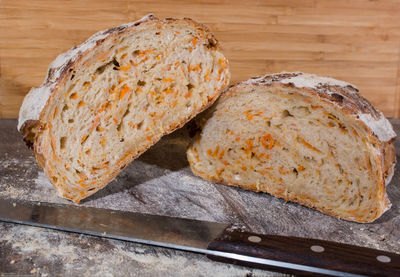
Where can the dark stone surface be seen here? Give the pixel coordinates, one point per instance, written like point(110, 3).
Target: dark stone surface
point(160, 182)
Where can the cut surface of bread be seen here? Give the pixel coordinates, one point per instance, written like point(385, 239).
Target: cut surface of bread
point(304, 138)
point(106, 101)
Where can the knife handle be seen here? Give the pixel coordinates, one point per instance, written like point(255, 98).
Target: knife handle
point(314, 253)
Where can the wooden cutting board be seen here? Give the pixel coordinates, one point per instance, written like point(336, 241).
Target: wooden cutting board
point(357, 41)
point(160, 182)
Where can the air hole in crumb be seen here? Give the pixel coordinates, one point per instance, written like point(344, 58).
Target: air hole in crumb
point(119, 126)
point(62, 142)
point(65, 108)
point(115, 63)
point(72, 76)
point(141, 83)
point(126, 112)
point(286, 113)
point(91, 189)
point(295, 171)
point(136, 52)
point(122, 140)
point(269, 123)
point(140, 125)
point(54, 178)
point(189, 86)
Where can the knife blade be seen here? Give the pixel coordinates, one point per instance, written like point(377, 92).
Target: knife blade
point(219, 241)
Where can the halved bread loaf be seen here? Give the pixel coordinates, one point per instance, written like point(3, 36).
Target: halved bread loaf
point(106, 101)
point(304, 138)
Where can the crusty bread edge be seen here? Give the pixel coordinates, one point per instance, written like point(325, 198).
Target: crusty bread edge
point(30, 124)
point(385, 151)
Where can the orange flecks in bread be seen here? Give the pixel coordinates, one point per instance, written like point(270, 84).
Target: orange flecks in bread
point(194, 68)
point(112, 90)
point(188, 94)
point(169, 91)
point(308, 145)
point(194, 41)
point(55, 111)
point(218, 172)
point(330, 124)
point(148, 138)
point(216, 150)
point(103, 56)
point(237, 139)
point(250, 115)
point(124, 68)
point(355, 132)
point(267, 141)
point(207, 76)
point(152, 92)
point(282, 171)
point(84, 139)
point(209, 152)
point(158, 57)
point(166, 80)
point(223, 63)
point(174, 103)
point(249, 147)
point(124, 158)
point(81, 104)
point(73, 95)
point(300, 168)
point(115, 120)
point(103, 141)
point(125, 90)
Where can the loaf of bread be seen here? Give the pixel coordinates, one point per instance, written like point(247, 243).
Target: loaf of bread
point(308, 139)
point(105, 102)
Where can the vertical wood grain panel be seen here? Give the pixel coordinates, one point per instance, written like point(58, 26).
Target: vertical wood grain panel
point(357, 41)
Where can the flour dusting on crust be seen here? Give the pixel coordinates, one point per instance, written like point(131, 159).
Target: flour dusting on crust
point(381, 127)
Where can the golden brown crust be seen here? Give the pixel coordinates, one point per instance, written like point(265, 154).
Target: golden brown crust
point(343, 97)
point(56, 78)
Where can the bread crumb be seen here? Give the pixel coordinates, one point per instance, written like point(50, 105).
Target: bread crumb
point(12, 262)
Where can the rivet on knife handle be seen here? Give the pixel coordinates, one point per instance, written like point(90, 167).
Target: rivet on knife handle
point(306, 255)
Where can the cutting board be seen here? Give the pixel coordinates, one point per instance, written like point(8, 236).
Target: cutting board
point(356, 41)
point(160, 182)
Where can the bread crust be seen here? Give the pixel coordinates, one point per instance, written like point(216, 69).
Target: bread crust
point(345, 97)
point(31, 118)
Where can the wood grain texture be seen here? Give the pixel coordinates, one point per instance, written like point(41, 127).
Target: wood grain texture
point(357, 41)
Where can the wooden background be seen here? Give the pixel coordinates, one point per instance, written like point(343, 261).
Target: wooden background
point(357, 41)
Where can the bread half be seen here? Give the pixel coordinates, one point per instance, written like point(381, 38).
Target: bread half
point(106, 101)
point(300, 137)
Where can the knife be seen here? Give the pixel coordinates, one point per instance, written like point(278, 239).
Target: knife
point(219, 241)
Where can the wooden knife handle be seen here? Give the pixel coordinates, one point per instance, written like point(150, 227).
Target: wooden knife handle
point(317, 254)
